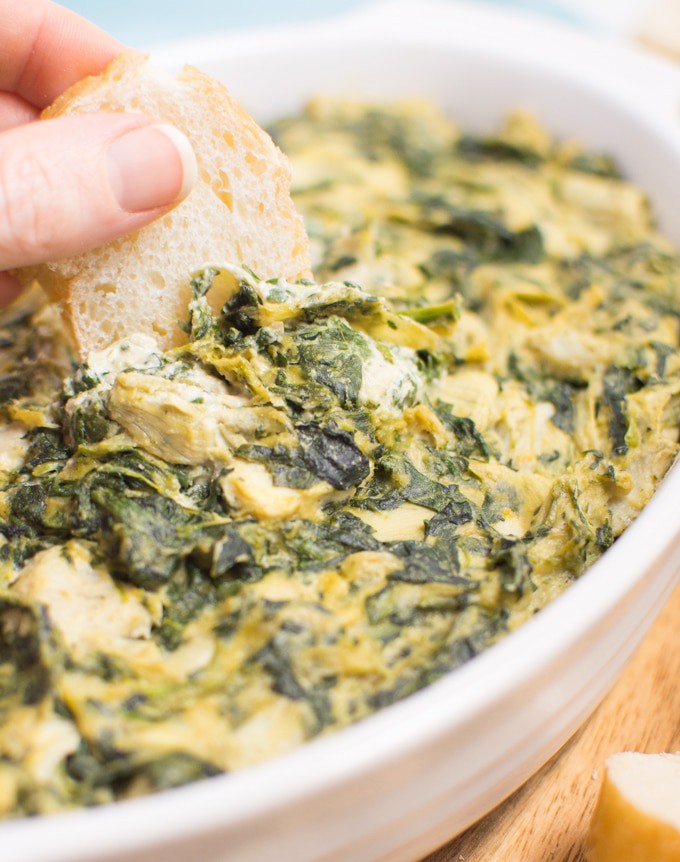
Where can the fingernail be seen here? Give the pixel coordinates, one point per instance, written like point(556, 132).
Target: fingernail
point(151, 167)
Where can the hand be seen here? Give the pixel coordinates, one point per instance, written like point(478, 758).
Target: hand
point(76, 182)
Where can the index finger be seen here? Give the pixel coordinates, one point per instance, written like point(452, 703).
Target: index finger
point(46, 48)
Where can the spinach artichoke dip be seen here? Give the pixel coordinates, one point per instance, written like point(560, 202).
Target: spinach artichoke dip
point(331, 495)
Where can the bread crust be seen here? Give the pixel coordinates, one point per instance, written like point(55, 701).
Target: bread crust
point(239, 212)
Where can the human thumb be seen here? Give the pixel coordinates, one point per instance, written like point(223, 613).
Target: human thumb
point(77, 182)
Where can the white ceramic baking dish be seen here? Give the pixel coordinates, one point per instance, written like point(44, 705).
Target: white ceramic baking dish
point(403, 781)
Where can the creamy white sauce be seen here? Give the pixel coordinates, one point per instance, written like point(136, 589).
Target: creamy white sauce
point(136, 351)
point(387, 384)
point(13, 446)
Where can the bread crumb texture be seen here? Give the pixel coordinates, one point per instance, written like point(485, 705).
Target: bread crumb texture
point(240, 210)
point(637, 816)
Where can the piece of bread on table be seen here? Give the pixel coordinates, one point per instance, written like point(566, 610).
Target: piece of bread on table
point(637, 816)
point(240, 210)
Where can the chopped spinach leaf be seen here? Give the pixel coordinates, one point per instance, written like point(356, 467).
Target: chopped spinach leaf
point(332, 455)
point(616, 385)
point(598, 164)
point(476, 149)
point(510, 558)
point(27, 654)
point(488, 236)
point(46, 445)
point(471, 443)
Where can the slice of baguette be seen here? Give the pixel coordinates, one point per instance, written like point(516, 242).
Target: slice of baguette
point(240, 210)
point(637, 816)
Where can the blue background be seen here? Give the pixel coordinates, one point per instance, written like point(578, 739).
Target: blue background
point(146, 23)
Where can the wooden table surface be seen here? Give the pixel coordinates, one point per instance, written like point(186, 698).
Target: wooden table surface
point(546, 820)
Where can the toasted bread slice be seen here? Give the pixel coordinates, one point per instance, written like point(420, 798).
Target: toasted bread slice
point(240, 210)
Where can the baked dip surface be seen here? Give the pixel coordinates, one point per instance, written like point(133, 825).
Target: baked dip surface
point(332, 494)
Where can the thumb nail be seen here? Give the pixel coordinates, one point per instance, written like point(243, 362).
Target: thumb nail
point(151, 167)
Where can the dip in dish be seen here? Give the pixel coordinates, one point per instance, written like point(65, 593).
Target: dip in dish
point(332, 495)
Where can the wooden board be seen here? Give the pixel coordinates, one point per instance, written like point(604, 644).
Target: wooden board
point(547, 819)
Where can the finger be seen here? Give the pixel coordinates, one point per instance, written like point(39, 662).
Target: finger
point(76, 182)
point(46, 48)
point(9, 289)
point(15, 111)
